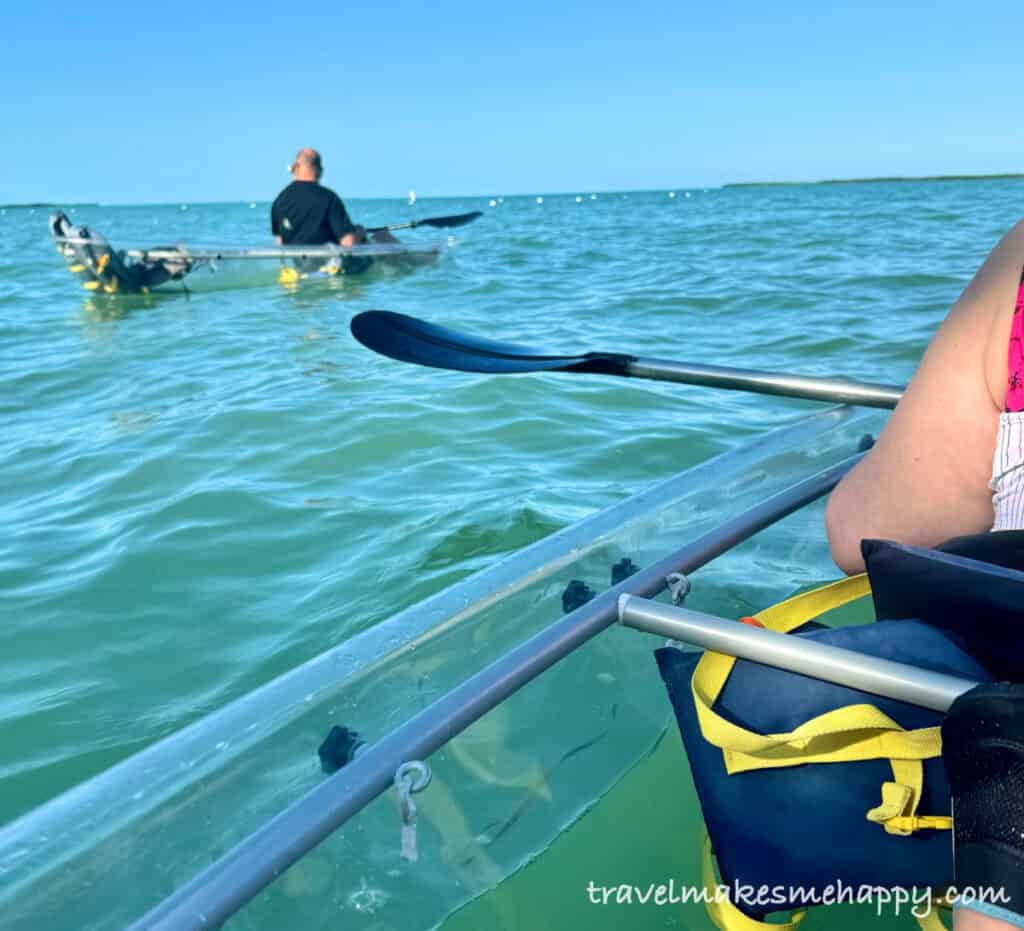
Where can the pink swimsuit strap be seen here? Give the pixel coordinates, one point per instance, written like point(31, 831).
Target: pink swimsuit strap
point(1015, 357)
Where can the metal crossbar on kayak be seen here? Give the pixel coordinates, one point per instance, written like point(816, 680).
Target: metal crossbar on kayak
point(212, 896)
point(215, 253)
point(900, 681)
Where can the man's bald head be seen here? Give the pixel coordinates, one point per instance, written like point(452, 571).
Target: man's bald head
point(308, 166)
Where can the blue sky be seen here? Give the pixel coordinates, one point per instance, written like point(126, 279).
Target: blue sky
point(145, 102)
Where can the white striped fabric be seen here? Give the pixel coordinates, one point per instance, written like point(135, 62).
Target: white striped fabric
point(1008, 473)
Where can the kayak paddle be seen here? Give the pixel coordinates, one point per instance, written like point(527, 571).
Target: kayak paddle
point(409, 339)
point(458, 219)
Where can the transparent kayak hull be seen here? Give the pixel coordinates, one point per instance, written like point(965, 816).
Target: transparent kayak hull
point(106, 852)
point(102, 270)
point(236, 273)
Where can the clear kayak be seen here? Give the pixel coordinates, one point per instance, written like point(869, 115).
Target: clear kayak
point(246, 778)
point(138, 270)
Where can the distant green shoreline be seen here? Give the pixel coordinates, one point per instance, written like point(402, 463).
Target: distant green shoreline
point(885, 180)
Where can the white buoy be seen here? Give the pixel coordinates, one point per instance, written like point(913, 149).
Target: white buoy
point(412, 198)
point(501, 200)
point(252, 204)
point(540, 200)
point(672, 194)
point(579, 200)
point(184, 206)
point(494, 203)
point(593, 197)
point(687, 194)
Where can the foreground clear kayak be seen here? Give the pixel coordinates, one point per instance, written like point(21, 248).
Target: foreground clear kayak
point(102, 269)
point(111, 850)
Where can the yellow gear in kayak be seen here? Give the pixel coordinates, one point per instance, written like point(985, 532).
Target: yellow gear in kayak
point(807, 786)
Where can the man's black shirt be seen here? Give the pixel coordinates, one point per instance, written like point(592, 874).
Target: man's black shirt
point(308, 214)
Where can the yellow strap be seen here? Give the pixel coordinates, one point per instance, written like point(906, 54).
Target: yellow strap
point(856, 732)
point(806, 606)
point(722, 912)
point(713, 670)
point(898, 811)
point(932, 921)
point(907, 826)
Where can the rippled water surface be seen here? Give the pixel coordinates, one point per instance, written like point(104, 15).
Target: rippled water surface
point(200, 493)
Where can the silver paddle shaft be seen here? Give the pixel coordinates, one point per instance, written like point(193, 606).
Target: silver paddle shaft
point(883, 677)
point(836, 390)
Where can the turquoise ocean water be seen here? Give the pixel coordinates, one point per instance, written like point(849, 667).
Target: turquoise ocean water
point(200, 493)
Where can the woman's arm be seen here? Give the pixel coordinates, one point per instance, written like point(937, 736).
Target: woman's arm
point(926, 479)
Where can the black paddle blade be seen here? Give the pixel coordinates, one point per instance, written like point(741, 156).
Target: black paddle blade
point(459, 219)
point(411, 340)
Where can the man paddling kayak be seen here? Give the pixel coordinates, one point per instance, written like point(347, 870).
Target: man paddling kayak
point(306, 213)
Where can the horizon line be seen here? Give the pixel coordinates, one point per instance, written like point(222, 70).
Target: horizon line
point(881, 179)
